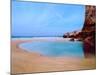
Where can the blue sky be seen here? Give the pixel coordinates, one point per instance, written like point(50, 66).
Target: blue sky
point(44, 19)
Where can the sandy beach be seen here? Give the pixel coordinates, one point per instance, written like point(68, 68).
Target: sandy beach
point(23, 61)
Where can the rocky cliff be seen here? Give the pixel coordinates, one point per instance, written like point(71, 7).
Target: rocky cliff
point(87, 34)
point(89, 30)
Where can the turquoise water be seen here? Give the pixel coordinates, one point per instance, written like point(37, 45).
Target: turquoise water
point(55, 48)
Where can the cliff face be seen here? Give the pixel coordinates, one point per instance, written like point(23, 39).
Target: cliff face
point(87, 34)
point(89, 30)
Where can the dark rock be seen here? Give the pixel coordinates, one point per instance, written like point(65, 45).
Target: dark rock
point(72, 39)
point(88, 31)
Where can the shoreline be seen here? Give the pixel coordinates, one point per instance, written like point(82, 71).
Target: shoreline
point(30, 62)
point(46, 38)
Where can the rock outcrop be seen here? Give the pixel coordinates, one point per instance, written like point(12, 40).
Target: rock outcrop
point(87, 34)
point(89, 31)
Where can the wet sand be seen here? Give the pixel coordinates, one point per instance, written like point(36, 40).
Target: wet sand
point(29, 62)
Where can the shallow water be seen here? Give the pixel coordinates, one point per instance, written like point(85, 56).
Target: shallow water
point(55, 48)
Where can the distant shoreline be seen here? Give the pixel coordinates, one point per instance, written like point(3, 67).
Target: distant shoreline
point(44, 38)
point(33, 36)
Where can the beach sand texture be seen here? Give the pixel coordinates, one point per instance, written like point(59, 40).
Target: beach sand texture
point(29, 62)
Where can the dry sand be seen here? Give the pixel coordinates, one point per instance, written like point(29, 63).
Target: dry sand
point(28, 62)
